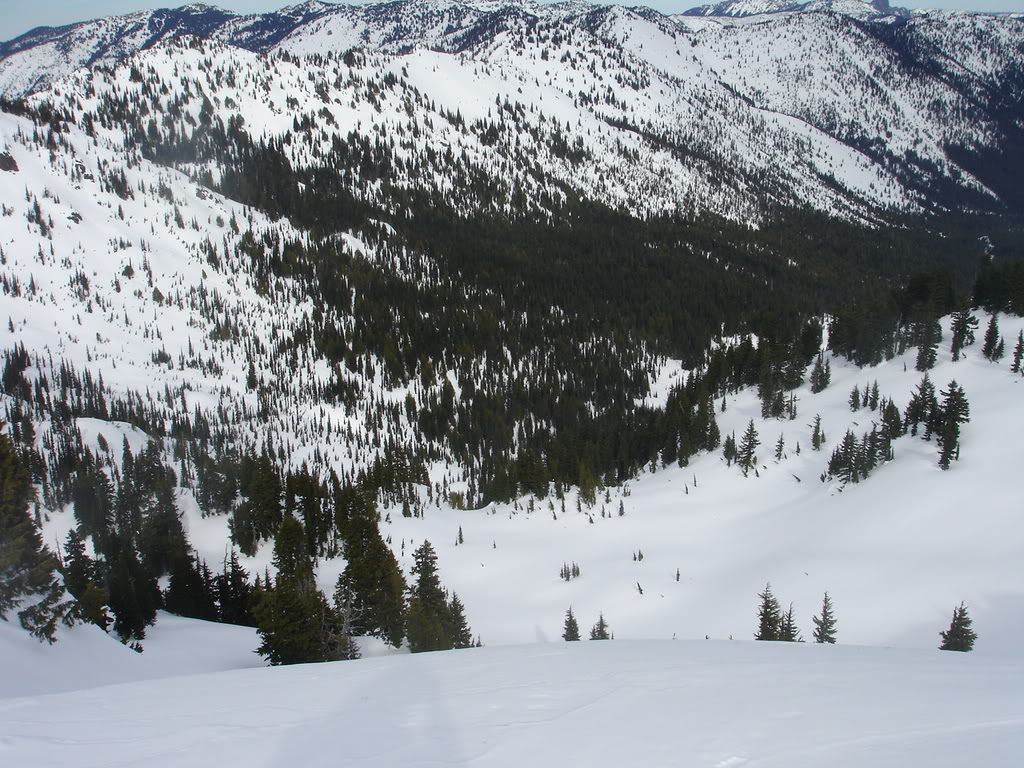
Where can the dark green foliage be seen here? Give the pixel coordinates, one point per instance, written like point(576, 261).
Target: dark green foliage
point(294, 621)
point(953, 412)
point(83, 578)
point(457, 628)
point(959, 636)
point(729, 449)
point(788, 630)
point(817, 433)
point(991, 345)
point(821, 374)
point(134, 594)
point(962, 328)
point(28, 578)
point(433, 622)
point(296, 625)
point(600, 630)
point(234, 593)
point(928, 336)
point(190, 591)
point(745, 453)
point(854, 399)
point(1000, 287)
point(769, 616)
point(853, 460)
point(571, 629)
point(922, 408)
point(825, 625)
point(370, 593)
point(1018, 353)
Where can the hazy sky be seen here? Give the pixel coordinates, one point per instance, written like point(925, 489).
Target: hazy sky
point(18, 16)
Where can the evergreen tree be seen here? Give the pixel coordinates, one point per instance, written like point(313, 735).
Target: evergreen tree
point(459, 633)
point(370, 592)
point(745, 455)
point(134, 594)
point(729, 449)
point(571, 629)
point(190, 590)
point(817, 434)
point(854, 399)
point(295, 623)
point(429, 623)
point(600, 630)
point(962, 327)
point(788, 630)
point(234, 593)
point(28, 571)
point(83, 579)
point(1018, 353)
point(959, 636)
point(988, 349)
point(780, 447)
point(769, 616)
point(825, 625)
point(954, 411)
point(821, 374)
point(921, 407)
point(927, 351)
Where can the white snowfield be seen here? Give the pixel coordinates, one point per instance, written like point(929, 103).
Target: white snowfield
point(717, 704)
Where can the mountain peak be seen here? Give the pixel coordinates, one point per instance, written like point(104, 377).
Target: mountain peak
point(741, 8)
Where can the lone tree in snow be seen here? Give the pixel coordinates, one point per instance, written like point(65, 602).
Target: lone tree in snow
point(959, 636)
point(825, 625)
point(600, 630)
point(745, 455)
point(571, 630)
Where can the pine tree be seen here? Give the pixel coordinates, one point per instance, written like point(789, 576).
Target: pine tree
point(817, 435)
point(83, 579)
point(854, 400)
point(988, 349)
point(788, 630)
point(769, 616)
point(459, 633)
point(428, 623)
point(962, 328)
point(929, 334)
point(954, 411)
point(780, 447)
point(294, 621)
point(821, 374)
point(921, 406)
point(825, 625)
point(134, 594)
point(745, 455)
point(1018, 353)
point(729, 449)
point(28, 571)
point(959, 636)
point(571, 629)
point(600, 630)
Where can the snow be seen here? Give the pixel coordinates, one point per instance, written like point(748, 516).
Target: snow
point(84, 657)
point(619, 702)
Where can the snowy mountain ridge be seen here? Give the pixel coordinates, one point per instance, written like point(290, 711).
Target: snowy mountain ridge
point(516, 279)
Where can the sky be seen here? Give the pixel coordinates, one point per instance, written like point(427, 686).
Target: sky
point(19, 16)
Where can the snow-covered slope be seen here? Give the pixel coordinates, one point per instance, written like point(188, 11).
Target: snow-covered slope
point(612, 703)
point(834, 110)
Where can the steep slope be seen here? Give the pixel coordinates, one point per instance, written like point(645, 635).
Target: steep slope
point(837, 110)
